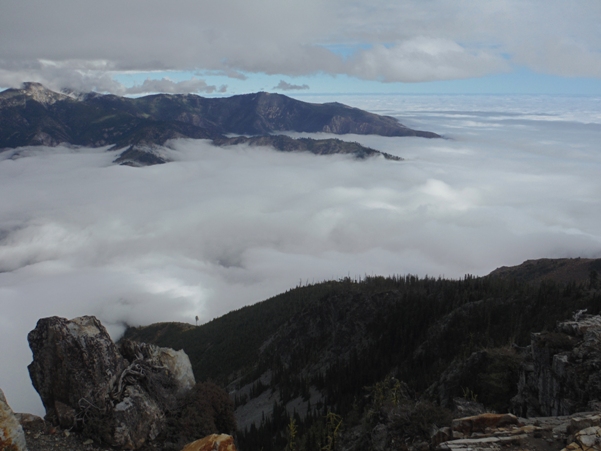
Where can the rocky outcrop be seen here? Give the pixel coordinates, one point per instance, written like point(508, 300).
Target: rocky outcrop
point(86, 383)
point(176, 362)
point(568, 433)
point(75, 365)
point(214, 442)
point(560, 374)
point(12, 437)
point(586, 440)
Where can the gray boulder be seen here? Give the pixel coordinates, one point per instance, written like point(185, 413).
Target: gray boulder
point(75, 366)
point(86, 383)
point(176, 362)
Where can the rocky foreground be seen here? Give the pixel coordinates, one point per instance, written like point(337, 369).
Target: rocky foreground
point(37, 435)
point(493, 432)
point(98, 395)
point(484, 432)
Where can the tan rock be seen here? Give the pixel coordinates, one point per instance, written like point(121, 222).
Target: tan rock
point(528, 429)
point(479, 423)
point(214, 442)
point(582, 422)
point(12, 437)
point(588, 439)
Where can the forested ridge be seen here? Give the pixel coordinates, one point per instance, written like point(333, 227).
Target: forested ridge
point(326, 356)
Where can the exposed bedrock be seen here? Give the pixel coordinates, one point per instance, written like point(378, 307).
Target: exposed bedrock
point(561, 374)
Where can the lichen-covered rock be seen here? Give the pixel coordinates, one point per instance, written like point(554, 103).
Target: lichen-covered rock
point(74, 362)
point(136, 420)
point(177, 362)
point(560, 375)
point(12, 437)
point(214, 442)
point(87, 384)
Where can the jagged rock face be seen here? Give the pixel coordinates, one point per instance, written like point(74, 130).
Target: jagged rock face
point(561, 375)
point(87, 384)
point(12, 437)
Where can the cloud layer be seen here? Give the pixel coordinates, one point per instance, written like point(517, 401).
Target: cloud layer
point(76, 44)
point(222, 228)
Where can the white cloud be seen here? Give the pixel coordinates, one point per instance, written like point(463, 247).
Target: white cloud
point(170, 87)
point(407, 40)
point(221, 228)
point(285, 86)
point(424, 59)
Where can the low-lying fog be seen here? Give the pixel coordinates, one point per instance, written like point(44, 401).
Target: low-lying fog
point(518, 178)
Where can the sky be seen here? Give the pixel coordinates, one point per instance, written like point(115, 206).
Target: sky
point(514, 86)
point(336, 46)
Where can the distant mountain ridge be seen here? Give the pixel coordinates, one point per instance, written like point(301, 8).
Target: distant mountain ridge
point(35, 115)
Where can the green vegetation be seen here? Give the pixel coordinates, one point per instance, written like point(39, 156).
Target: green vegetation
point(337, 338)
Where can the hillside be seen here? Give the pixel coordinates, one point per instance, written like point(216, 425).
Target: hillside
point(562, 270)
point(35, 115)
point(315, 348)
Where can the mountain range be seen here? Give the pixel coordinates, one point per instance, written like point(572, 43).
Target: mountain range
point(35, 115)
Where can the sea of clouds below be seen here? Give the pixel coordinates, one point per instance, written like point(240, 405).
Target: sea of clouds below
point(517, 178)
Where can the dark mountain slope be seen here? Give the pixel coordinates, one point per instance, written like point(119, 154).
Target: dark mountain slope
point(559, 270)
point(316, 146)
point(35, 115)
point(315, 349)
point(262, 113)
